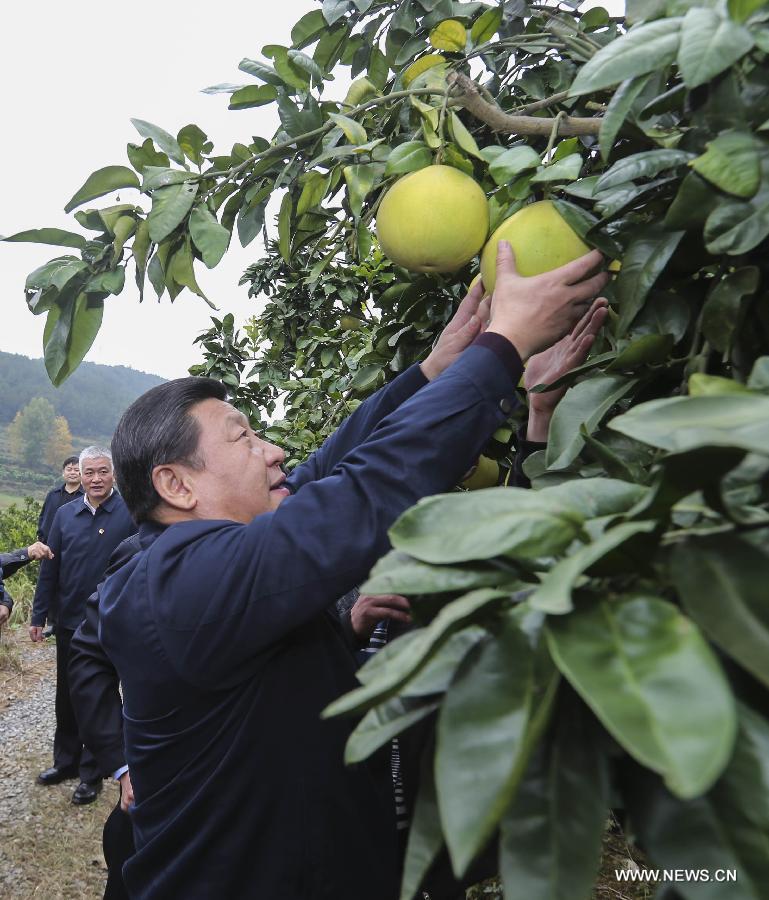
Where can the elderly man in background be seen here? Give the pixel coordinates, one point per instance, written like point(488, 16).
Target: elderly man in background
point(82, 538)
point(9, 563)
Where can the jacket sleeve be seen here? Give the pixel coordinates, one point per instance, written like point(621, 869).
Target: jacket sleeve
point(13, 561)
point(357, 427)
point(44, 520)
point(244, 588)
point(48, 580)
point(94, 683)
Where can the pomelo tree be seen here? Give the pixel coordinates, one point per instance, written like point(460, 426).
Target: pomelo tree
point(603, 639)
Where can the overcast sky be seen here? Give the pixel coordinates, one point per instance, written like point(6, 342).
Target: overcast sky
point(74, 74)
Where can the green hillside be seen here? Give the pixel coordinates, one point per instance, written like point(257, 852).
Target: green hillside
point(92, 399)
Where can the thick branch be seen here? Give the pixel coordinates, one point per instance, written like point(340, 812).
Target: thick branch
point(465, 92)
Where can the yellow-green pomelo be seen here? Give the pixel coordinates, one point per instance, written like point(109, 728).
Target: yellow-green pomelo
point(541, 241)
point(484, 475)
point(433, 220)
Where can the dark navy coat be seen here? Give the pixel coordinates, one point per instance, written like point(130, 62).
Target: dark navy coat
point(227, 653)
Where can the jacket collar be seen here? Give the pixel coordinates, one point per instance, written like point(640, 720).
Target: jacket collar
point(106, 505)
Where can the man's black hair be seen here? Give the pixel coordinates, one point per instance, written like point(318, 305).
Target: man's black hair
point(70, 460)
point(158, 429)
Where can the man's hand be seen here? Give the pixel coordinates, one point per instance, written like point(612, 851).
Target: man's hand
point(465, 326)
point(368, 610)
point(5, 614)
point(126, 792)
point(548, 366)
point(39, 550)
point(534, 313)
point(36, 633)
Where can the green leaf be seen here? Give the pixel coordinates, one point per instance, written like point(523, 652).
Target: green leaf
point(722, 583)
point(617, 112)
point(486, 25)
point(462, 136)
point(550, 846)
point(365, 378)
point(680, 424)
point(181, 270)
point(307, 65)
point(740, 10)
point(425, 834)
point(211, 238)
point(398, 573)
point(508, 521)
point(261, 70)
point(378, 68)
point(647, 350)
point(284, 226)
point(644, 260)
point(438, 673)
point(507, 165)
point(156, 275)
point(101, 182)
point(655, 684)
point(566, 169)
point(111, 282)
point(250, 221)
point(140, 250)
point(333, 10)
point(170, 205)
point(642, 165)
point(596, 497)
point(123, 228)
point(554, 595)
point(314, 185)
point(759, 376)
point(479, 755)
point(167, 142)
point(353, 131)
point(722, 312)
point(450, 35)
point(737, 226)
point(253, 95)
point(584, 404)
point(709, 44)
point(192, 142)
point(418, 649)
point(382, 723)
point(360, 181)
point(692, 204)
point(308, 28)
point(408, 157)
point(69, 334)
point(156, 177)
point(731, 163)
point(146, 155)
point(645, 48)
point(56, 236)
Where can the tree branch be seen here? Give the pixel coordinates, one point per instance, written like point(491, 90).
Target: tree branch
point(465, 92)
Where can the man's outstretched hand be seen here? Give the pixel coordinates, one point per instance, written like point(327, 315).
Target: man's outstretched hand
point(465, 326)
point(546, 367)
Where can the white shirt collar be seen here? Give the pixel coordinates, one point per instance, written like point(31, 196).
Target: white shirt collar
point(93, 508)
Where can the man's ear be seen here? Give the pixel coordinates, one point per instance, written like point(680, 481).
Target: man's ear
point(175, 487)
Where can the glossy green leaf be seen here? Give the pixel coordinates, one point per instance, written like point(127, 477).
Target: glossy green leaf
point(655, 684)
point(309, 27)
point(647, 350)
point(140, 251)
point(596, 497)
point(398, 573)
point(211, 238)
point(360, 182)
point(192, 142)
point(250, 220)
point(299, 60)
point(418, 650)
point(737, 226)
point(731, 163)
point(554, 595)
point(722, 312)
point(722, 583)
point(709, 44)
point(284, 227)
point(647, 164)
point(123, 228)
point(425, 835)
point(101, 182)
point(587, 403)
point(617, 112)
point(644, 260)
point(333, 10)
point(110, 282)
point(508, 521)
point(354, 131)
point(510, 163)
point(155, 177)
point(261, 70)
point(740, 10)
point(479, 755)
point(408, 157)
point(436, 675)
point(69, 335)
point(181, 270)
point(252, 96)
point(645, 48)
point(462, 136)
point(382, 723)
point(156, 275)
point(167, 142)
point(692, 204)
point(314, 186)
point(56, 236)
point(566, 169)
point(141, 156)
point(680, 424)
point(170, 206)
point(450, 35)
point(486, 25)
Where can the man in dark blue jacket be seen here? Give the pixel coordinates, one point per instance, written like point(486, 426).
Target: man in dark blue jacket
point(67, 491)
point(82, 537)
point(9, 563)
point(220, 626)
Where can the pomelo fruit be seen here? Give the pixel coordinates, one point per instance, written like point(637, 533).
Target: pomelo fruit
point(485, 474)
point(433, 220)
point(541, 240)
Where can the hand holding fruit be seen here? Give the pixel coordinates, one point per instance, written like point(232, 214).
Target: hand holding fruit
point(465, 326)
point(533, 313)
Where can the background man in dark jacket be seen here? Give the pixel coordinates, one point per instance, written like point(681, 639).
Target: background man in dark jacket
point(9, 563)
point(83, 536)
point(69, 489)
point(220, 626)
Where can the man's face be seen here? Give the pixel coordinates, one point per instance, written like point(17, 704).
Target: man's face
point(71, 473)
point(97, 478)
point(242, 475)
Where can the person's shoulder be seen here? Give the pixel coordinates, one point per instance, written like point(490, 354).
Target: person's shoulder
point(66, 513)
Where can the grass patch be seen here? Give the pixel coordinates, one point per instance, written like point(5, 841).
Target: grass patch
point(7, 499)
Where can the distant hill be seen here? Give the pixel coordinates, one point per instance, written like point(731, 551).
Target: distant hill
point(92, 399)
